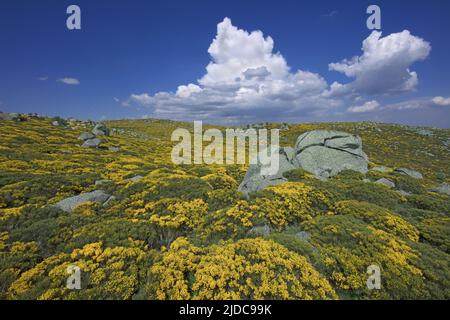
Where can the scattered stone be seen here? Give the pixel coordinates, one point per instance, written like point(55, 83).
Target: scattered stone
point(404, 193)
point(103, 181)
point(69, 204)
point(388, 183)
point(326, 153)
point(114, 149)
point(380, 169)
point(260, 230)
point(108, 202)
point(135, 178)
point(424, 132)
point(409, 172)
point(443, 188)
point(91, 143)
point(303, 235)
point(100, 129)
point(55, 123)
point(86, 136)
point(366, 180)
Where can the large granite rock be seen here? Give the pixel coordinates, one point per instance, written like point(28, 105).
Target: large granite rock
point(69, 204)
point(323, 153)
point(255, 179)
point(326, 153)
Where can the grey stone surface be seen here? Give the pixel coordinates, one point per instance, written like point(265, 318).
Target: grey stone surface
point(409, 172)
point(9, 116)
point(260, 230)
point(255, 180)
point(443, 188)
point(103, 181)
point(326, 153)
point(303, 235)
point(386, 182)
point(86, 136)
point(69, 204)
point(108, 202)
point(91, 143)
point(100, 129)
point(380, 169)
point(55, 123)
point(114, 149)
point(135, 178)
point(404, 193)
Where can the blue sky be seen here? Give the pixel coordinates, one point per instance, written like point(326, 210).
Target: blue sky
point(131, 57)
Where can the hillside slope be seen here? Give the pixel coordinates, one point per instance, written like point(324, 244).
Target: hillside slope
point(172, 232)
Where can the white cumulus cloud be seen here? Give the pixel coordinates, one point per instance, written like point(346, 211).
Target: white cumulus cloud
point(384, 66)
point(366, 107)
point(246, 80)
point(441, 101)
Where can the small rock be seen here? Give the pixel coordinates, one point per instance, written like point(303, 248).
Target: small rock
point(260, 230)
point(443, 188)
point(135, 178)
point(114, 149)
point(103, 181)
point(69, 204)
point(100, 129)
point(108, 202)
point(404, 193)
point(86, 136)
point(303, 235)
point(91, 143)
point(380, 169)
point(409, 172)
point(55, 123)
point(388, 183)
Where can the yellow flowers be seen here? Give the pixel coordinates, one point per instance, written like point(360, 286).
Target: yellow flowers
point(378, 217)
point(106, 273)
point(246, 269)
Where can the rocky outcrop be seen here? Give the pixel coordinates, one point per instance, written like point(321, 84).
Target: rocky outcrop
point(256, 180)
point(323, 153)
point(100, 129)
point(69, 204)
point(326, 153)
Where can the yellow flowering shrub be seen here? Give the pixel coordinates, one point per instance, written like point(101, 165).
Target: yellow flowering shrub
point(291, 202)
point(106, 273)
point(378, 217)
point(348, 247)
point(246, 269)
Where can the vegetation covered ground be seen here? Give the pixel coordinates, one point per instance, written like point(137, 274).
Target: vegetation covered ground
point(184, 232)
